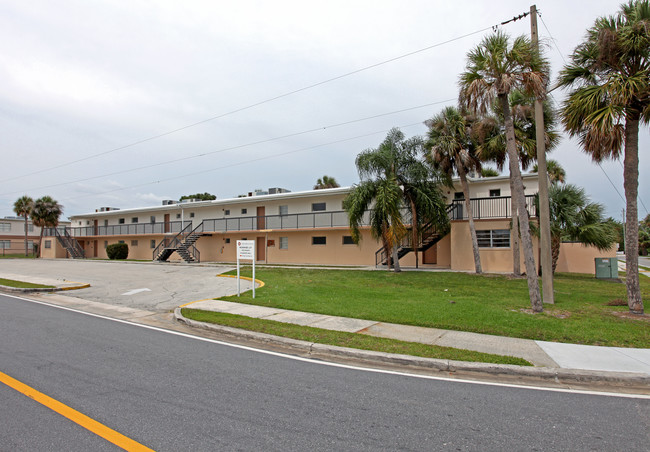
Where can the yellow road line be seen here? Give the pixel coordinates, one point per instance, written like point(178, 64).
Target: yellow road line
point(75, 416)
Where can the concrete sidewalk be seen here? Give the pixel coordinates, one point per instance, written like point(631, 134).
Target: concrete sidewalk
point(539, 353)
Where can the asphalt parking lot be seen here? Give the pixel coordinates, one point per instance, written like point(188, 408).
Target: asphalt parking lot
point(142, 285)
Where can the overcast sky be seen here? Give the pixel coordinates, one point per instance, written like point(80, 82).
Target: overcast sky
point(90, 91)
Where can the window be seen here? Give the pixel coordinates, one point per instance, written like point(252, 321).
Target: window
point(494, 193)
point(153, 244)
point(244, 211)
point(120, 241)
point(30, 244)
point(5, 227)
point(121, 221)
point(347, 240)
point(178, 216)
point(153, 218)
point(459, 195)
point(105, 243)
point(30, 228)
point(134, 220)
point(87, 222)
point(105, 223)
point(228, 240)
point(134, 243)
point(191, 214)
point(318, 206)
point(48, 244)
point(5, 244)
point(494, 238)
point(284, 243)
point(284, 210)
point(227, 212)
point(319, 240)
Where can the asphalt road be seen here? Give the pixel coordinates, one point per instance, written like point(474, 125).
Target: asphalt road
point(172, 392)
point(151, 286)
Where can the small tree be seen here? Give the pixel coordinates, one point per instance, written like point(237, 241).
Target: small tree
point(23, 208)
point(326, 182)
point(202, 196)
point(574, 218)
point(555, 171)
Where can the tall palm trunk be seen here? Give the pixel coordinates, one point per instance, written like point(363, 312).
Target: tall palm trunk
point(40, 243)
point(26, 253)
point(631, 184)
point(414, 232)
point(527, 241)
point(556, 242)
point(516, 254)
point(470, 217)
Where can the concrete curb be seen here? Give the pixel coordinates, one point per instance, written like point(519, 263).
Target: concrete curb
point(40, 289)
point(631, 382)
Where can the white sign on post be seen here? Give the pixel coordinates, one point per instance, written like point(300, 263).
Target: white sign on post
point(245, 250)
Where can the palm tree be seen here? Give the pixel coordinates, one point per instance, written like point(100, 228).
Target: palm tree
point(489, 134)
point(45, 214)
point(555, 171)
point(574, 218)
point(493, 70)
point(23, 208)
point(392, 177)
point(609, 81)
point(489, 172)
point(326, 182)
point(452, 151)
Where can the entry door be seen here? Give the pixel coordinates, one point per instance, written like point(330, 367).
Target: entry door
point(166, 223)
point(261, 248)
point(96, 229)
point(261, 219)
point(95, 244)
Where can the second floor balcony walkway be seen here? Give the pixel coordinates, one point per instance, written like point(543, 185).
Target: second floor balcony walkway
point(482, 208)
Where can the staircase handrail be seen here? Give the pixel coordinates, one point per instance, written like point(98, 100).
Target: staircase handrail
point(428, 230)
point(69, 243)
point(171, 242)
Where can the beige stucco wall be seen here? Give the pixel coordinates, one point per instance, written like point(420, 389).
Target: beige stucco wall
point(579, 258)
point(492, 259)
point(300, 249)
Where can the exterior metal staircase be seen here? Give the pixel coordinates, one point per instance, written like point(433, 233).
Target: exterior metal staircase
point(430, 235)
point(69, 243)
point(182, 244)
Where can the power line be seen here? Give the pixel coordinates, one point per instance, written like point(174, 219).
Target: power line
point(243, 162)
point(317, 129)
point(553, 40)
point(610, 181)
point(248, 107)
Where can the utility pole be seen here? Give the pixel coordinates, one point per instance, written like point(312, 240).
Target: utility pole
point(544, 210)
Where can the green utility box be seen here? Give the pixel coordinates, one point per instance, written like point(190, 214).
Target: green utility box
point(606, 268)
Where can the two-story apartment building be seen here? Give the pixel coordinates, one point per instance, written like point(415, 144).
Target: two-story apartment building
point(307, 227)
point(12, 235)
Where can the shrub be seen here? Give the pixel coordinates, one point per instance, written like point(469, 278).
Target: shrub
point(117, 251)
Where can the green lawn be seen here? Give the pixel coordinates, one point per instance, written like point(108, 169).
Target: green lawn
point(22, 284)
point(491, 304)
point(352, 340)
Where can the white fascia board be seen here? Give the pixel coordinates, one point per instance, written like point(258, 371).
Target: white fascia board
point(219, 202)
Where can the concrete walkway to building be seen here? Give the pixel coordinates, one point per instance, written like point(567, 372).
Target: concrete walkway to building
point(539, 353)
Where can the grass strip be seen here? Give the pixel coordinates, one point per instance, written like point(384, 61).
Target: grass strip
point(488, 304)
point(22, 284)
point(343, 339)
